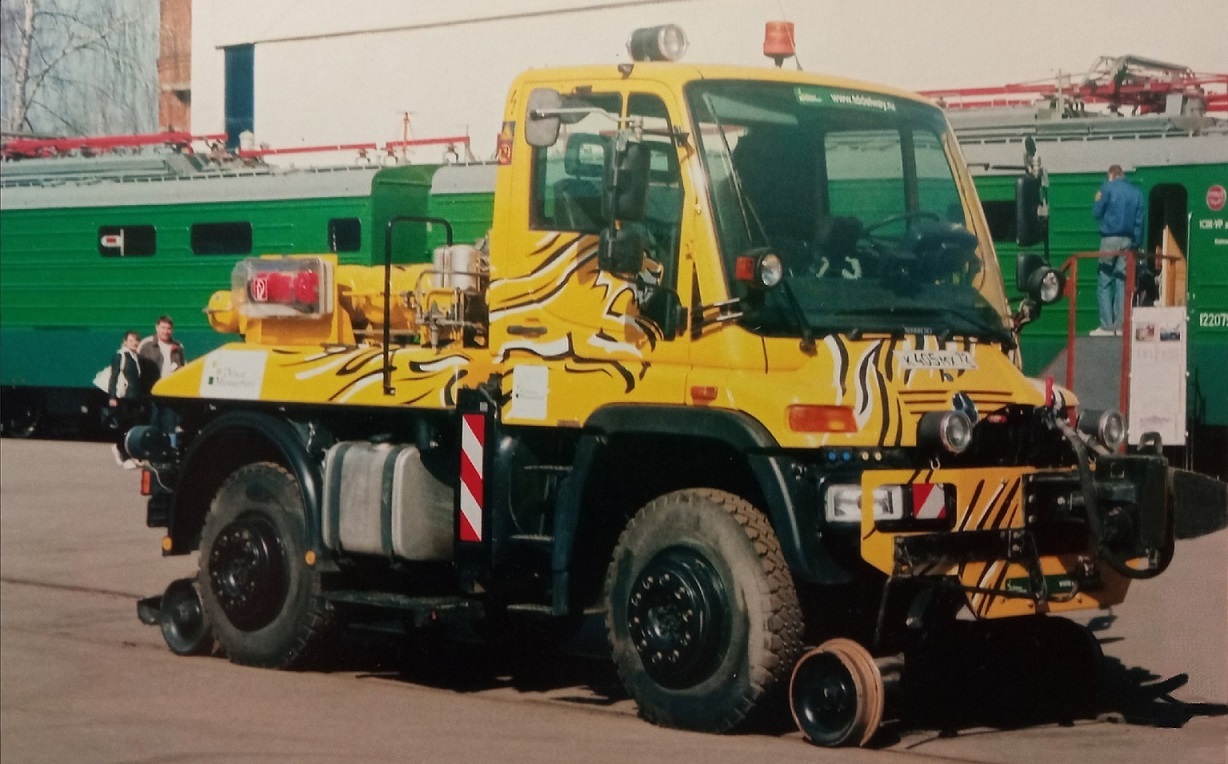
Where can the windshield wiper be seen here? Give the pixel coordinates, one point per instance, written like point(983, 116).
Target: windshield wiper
point(807, 344)
point(744, 205)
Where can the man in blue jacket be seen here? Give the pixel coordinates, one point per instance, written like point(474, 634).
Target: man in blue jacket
point(1119, 211)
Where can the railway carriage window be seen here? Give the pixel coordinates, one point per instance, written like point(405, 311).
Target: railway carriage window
point(567, 176)
point(222, 239)
point(127, 241)
point(344, 235)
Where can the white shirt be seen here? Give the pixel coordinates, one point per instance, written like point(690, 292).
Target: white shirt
point(168, 365)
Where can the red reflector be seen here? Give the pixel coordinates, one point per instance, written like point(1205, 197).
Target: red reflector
point(703, 394)
point(804, 418)
point(929, 501)
point(146, 482)
point(744, 269)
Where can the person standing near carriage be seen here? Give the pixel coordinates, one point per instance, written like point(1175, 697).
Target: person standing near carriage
point(162, 355)
point(1119, 213)
point(125, 394)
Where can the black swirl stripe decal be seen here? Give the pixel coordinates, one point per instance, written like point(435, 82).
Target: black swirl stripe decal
point(976, 496)
point(1006, 505)
point(546, 292)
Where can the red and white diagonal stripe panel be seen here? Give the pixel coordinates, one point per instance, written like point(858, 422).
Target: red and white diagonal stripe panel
point(472, 487)
point(929, 501)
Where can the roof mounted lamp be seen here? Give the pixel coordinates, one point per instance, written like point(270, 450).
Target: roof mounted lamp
point(662, 43)
point(778, 41)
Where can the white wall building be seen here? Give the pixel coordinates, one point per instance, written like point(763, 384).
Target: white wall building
point(328, 72)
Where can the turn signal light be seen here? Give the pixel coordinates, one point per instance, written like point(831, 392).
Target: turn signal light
point(703, 394)
point(807, 418)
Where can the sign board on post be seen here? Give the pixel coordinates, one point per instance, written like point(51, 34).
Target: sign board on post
point(1158, 340)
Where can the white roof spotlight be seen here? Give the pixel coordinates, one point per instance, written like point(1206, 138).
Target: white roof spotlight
point(662, 43)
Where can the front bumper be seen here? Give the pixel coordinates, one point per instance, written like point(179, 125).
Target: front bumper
point(1022, 540)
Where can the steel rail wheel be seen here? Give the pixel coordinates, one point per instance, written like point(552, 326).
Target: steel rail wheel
point(837, 695)
point(182, 618)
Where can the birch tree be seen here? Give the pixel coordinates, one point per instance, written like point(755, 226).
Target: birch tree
point(78, 67)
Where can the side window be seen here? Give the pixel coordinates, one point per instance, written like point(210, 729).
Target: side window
point(664, 209)
point(567, 176)
point(222, 238)
point(127, 241)
point(344, 235)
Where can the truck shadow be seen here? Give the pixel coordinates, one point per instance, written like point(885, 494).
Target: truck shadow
point(563, 668)
point(1002, 685)
point(967, 684)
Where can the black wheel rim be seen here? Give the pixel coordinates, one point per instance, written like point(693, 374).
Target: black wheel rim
point(247, 572)
point(183, 619)
point(678, 618)
point(825, 699)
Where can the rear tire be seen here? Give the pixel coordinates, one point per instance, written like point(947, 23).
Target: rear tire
point(259, 594)
point(702, 616)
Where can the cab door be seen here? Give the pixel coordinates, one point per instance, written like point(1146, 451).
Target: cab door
point(571, 336)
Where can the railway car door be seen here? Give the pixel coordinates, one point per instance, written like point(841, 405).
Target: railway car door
point(1164, 283)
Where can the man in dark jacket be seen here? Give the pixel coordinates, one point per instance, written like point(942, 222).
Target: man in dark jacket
point(162, 355)
point(1119, 211)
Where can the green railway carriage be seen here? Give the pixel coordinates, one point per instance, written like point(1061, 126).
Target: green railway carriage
point(1180, 163)
point(90, 247)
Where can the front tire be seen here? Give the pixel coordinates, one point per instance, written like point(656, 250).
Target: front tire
point(259, 594)
point(702, 615)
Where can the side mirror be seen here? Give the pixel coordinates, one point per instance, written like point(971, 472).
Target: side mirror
point(1029, 227)
point(541, 119)
point(621, 252)
point(1026, 263)
point(624, 193)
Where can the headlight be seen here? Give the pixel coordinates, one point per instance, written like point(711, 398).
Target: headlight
point(1108, 426)
point(1047, 284)
point(759, 269)
point(949, 430)
point(842, 503)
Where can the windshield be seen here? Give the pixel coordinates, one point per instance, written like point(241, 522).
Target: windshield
point(854, 193)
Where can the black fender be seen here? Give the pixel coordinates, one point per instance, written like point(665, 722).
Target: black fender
point(277, 439)
point(791, 503)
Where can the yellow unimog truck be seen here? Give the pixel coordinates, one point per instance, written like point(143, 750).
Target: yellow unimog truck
point(736, 349)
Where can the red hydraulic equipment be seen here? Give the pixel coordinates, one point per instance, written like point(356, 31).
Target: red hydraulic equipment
point(30, 148)
point(34, 148)
point(1143, 84)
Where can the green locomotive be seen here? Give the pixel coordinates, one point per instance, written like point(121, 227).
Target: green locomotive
point(93, 246)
